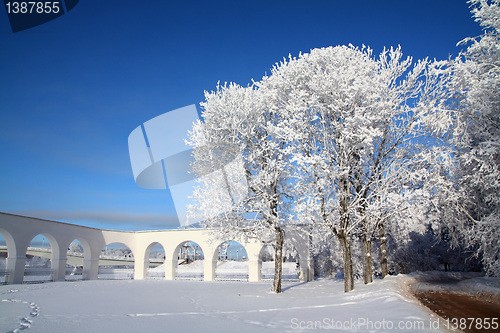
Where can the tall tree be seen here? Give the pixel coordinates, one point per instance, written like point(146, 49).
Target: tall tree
point(240, 125)
point(353, 122)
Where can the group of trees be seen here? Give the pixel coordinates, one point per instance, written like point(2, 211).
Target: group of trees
point(358, 147)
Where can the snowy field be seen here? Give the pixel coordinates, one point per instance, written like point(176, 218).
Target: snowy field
point(221, 306)
point(116, 303)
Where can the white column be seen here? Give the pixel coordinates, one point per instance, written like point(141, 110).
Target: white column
point(140, 269)
point(58, 267)
point(254, 270)
point(209, 269)
point(90, 269)
point(15, 269)
point(170, 269)
point(306, 270)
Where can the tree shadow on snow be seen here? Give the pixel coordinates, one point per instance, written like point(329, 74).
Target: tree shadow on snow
point(293, 286)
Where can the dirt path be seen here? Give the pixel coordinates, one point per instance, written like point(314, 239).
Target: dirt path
point(457, 307)
point(461, 311)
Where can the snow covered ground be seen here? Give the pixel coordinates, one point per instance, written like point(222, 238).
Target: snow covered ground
point(229, 305)
point(468, 283)
point(220, 306)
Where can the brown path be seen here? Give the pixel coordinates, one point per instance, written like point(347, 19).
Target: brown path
point(461, 311)
point(462, 307)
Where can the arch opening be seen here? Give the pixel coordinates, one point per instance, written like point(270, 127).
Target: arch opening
point(155, 261)
point(116, 262)
point(232, 262)
point(290, 266)
point(38, 266)
point(74, 263)
point(190, 258)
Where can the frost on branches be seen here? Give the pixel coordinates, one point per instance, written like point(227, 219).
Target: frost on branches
point(240, 125)
point(356, 127)
point(333, 138)
point(476, 92)
point(363, 149)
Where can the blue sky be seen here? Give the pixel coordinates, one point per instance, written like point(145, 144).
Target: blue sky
point(73, 89)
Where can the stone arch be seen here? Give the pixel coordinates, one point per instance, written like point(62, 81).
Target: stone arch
point(229, 265)
point(147, 262)
point(86, 246)
point(190, 260)
point(300, 245)
point(290, 265)
point(90, 265)
point(116, 263)
point(301, 240)
point(215, 253)
point(9, 242)
point(130, 253)
point(179, 246)
point(77, 258)
point(54, 245)
point(38, 269)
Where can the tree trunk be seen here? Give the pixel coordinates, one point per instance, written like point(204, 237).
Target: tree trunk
point(278, 260)
point(367, 252)
point(345, 242)
point(383, 251)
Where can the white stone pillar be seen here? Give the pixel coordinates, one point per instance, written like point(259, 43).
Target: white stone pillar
point(15, 269)
point(58, 267)
point(140, 269)
point(170, 269)
point(254, 270)
point(90, 269)
point(209, 269)
point(306, 270)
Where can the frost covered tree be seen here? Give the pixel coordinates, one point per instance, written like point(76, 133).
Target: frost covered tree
point(354, 123)
point(75, 248)
point(475, 94)
point(337, 138)
point(245, 168)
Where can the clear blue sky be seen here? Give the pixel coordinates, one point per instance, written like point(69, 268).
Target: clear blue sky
point(73, 89)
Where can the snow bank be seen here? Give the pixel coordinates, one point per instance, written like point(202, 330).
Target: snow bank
point(468, 283)
point(487, 288)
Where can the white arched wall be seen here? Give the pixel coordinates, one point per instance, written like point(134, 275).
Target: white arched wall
point(302, 242)
point(145, 259)
point(173, 264)
point(252, 247)
point(9, 240)
point(113, 237)
point(86, 254)
point(171, 240)
point(55, 257)
point(18, 231)
point(215, 257)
